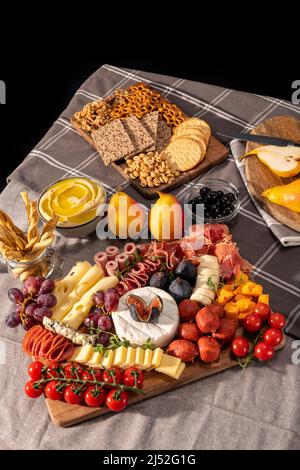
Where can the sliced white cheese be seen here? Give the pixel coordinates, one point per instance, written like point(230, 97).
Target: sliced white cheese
point(169, 365)
point(64, 286)
point(180, 370)
point(147, 359)
point(82, 354)
point(120, 356)
point(139, 357)
point(157, 357)
point(95, 360)
point(108, 358)
point(160, 332)
point(130, 358)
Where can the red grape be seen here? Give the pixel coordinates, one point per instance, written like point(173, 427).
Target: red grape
point(30, 309)
point(103, 339)
point(12, 320)
point(105, 323)
point(47, 286)
point(32, 284)
point(42, 312)
point(98, 298)
point(46, 300)
point(111, 301)
point(28, 323)
point(15, 295)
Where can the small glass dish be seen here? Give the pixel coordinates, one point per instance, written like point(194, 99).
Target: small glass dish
point(47, 264)
point(214, 185)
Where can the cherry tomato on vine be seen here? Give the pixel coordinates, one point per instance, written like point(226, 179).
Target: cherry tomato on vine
point(32, 390)
point(263, 310)
point(72, 371)
point(52, 390)
point(92, 374)
point(53, 369)
point(35, 370)
point(113, 375)
point(95, 396)
point(116, 400)
point(133, 376)
point(276, 320)
point(73, 395)
point(263, 351)
point(240, 346)
point(253, 322)
point(273, 336)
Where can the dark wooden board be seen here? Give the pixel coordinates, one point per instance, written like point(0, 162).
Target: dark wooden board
point(216, 153)
point(259, 176)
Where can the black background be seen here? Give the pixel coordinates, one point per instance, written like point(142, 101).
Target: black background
point(46, 64)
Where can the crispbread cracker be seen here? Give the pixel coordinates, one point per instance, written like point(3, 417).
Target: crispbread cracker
point(138, 134)
point(164, 133)
point(183, 153)
point(150, 122)
point(113, 142)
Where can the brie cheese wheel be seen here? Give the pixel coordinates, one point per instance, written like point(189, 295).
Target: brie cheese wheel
point(161, 331)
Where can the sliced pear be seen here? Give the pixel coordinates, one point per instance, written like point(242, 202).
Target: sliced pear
point(282, 161)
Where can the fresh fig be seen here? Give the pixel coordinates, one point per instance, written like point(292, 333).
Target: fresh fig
point(180, 289)
point(154, 308)
point(160, 280)
point(137, 307)
point(187, 271)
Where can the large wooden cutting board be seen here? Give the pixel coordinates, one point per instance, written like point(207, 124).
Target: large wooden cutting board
point(259, 176)
point(216, 153)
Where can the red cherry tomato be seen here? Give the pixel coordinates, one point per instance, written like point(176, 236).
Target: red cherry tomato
point(116, 400)
point(240, 346)
point(263, 351)
point(133, 376)
point(92, 374)
point(276, 320)
point(95, 396)
point(72, 371)
point(32, 390)
point(253, 322)
point(113, 375)
point(263, 310)
point(273, 336)
point(53, 369)
point(52, 392)
point(35, 370)
point(72, 395)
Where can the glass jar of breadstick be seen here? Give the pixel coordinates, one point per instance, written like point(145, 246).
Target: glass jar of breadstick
point(43, 265)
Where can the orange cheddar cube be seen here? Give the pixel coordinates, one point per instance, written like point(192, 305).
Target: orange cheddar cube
point(251, 288)
point(264, 299)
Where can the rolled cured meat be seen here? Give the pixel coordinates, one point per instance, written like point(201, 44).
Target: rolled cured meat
point(101, 259)
point(122, 260)
point(111, 267)
point(130, 251)
point(112, 252)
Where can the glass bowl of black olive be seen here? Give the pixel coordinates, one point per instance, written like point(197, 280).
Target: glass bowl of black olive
point(220, 199)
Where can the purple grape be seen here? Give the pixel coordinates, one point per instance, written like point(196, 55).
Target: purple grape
point(105, 323)
point(98, 298)
point(46, 300)
point(13, 319)
point(28, 323)
point(96, 312)
point(42, 312)
point(15, 295)
point(103, 339)
point(24, 291)
point(47, 286)
point(33, 284)
point(18, 309)
point(111, 301)
point(30, 309)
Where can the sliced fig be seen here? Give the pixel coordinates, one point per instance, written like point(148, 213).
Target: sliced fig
point(137, 307)
point(155, 307)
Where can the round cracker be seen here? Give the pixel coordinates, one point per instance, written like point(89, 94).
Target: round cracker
point(183, 153)
point(200, 141)
point(200, 133)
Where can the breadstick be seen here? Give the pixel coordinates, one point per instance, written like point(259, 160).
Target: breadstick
point(33, 231)
point(5, 219)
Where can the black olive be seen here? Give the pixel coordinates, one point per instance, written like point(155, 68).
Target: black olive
point(214, 210)
point(209, 199)
point(231, 197)
point(207, 214)
point(204, 191)
point(220, 194)
point(231, 207)
point(213, 195)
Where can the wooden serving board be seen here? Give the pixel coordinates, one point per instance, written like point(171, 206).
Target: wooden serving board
point(259, 177)
point(216, 153)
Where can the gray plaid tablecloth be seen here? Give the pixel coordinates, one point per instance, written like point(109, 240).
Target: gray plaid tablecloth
point(257, 408)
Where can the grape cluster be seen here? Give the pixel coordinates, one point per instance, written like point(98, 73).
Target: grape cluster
point(217, 204)
point(32, 303)
point(98, 318)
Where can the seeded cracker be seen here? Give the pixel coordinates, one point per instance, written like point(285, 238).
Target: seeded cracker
point(140, 138)
point(113, 142)
point(164, 133)
point(150, 122)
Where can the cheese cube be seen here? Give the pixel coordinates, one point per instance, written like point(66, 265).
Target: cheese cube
point(157, 356)
point(130, 358)
point(83, 354)
point(95, 360)
point(120, 356)
point(169, 365)
point(147, 359)
point(180, 370)
point(139, 357)
point(108, 358)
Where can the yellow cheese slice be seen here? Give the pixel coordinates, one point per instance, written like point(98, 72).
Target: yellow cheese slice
point(169, 365)
point(147, 359)
point(108, 359)
point(95, 360)
point(82, 354)
point(93, 275)
point(65, 286)
point(157, 356)
point(130, 358)
point(80, 309)
point(120, 356)
point(180, 370)
point(139, 357)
